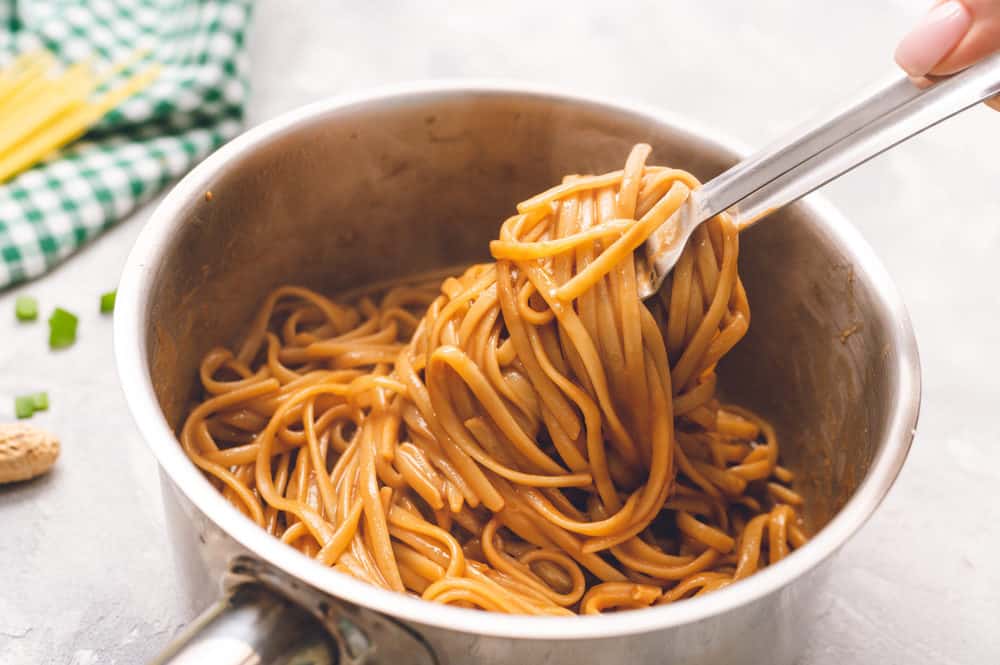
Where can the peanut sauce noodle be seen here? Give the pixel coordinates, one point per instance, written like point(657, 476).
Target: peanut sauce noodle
point(528, 437)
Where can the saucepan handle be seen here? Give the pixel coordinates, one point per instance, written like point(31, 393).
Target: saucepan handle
point(269, 618)
point(253, 625)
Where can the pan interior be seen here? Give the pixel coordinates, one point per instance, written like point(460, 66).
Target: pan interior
point(406, 185)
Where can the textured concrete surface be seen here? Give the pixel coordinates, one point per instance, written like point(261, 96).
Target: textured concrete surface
point(85, 569)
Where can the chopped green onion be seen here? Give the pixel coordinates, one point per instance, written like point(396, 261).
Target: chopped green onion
point(24, 406)
point(108, 302)
point(40, 401)
point(26, 308)
point(62, 329)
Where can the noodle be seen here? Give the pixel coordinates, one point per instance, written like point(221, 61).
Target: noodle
point(527, 437)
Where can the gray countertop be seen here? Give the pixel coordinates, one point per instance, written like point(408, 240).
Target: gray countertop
point(86, 574)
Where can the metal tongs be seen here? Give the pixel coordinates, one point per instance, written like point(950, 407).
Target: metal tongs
point(814, 155)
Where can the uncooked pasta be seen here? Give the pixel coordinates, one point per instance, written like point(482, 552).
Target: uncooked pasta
point(527, 436)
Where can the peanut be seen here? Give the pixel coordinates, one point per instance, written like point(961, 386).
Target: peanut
point(25, 452)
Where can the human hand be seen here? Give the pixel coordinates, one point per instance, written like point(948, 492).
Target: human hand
point(951, 36)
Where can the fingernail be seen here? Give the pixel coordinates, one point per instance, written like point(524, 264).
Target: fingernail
point(937, 33)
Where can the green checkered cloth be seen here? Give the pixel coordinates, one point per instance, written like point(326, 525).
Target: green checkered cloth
point(195, 105)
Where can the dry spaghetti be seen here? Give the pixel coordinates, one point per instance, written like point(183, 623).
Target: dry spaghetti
point(44, 107)
point(528, 437)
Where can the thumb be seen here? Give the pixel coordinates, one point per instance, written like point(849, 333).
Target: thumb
point(951, 36)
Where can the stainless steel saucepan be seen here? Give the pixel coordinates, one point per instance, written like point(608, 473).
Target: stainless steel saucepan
point(381, 185)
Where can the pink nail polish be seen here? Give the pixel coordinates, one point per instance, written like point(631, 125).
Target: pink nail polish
point(937, 33)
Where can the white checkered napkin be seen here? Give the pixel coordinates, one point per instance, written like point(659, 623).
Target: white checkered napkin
point(195, 105)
